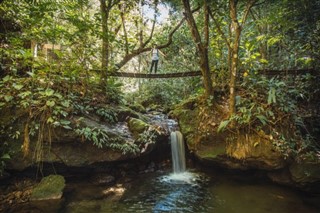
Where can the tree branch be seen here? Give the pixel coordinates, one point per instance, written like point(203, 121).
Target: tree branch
point(142, 48)
point(206, 24)
point(151, 34)
point(246, 12)
point(219, 29)
point(193, 26)
point(124, 28)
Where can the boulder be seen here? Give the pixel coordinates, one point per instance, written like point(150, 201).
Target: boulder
point(123, 113)
point(50, 188)
point(305, 172)
point(137, 126)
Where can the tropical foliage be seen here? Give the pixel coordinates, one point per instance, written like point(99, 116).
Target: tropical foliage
point(56, 56)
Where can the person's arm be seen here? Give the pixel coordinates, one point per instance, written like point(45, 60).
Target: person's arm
point(162, 53)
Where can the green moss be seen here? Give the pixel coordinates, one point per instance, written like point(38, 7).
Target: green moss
point(138, 107)
point(187, 119)
point(50, 187)
point(125, 112)
point(137, 126)
point(212, 151)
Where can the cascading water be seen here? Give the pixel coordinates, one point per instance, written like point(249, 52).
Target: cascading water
point(178, 152)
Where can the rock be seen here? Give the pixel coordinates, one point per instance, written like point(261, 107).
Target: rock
point(125, 112)
point(257, 152)
point(50, 188)
point(137, 126)
point(305, 172)
point(304, 175)
point(103, 179)
point(69, 149)
point(137, 107)
point(114, 193)
point(281, 176)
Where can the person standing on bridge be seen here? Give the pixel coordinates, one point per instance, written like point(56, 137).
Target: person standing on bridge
point(155, 58)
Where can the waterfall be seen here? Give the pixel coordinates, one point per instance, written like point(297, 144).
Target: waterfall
point(178, 152)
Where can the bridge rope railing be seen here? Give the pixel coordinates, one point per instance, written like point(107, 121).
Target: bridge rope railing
point(151, 75)
point(288, 72)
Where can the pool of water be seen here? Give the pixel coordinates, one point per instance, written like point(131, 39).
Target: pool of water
point(193, 191)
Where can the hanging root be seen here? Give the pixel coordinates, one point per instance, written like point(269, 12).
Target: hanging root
point(26, 141)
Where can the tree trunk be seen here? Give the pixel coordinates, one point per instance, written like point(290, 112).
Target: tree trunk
point(236, 29)
point(236, 32)
point(202, 47)
point(105, 43)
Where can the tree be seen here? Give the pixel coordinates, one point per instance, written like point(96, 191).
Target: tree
point(201, 44)
point(236, 29)
point(233, 42)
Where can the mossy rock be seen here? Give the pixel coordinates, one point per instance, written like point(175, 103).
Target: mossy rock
point(186, 113)
point(50, 188)
point(138, 107)
point(125, 112)
point(137, 126)
point(212, 152)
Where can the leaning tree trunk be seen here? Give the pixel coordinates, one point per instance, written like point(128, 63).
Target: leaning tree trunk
point(202, 47)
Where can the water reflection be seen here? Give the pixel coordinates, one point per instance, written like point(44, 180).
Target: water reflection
point(180, 193)
point(183, 192)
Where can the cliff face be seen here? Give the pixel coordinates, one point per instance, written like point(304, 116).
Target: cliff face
point(134, 136)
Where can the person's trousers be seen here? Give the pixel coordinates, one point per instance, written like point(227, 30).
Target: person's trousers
point(155, 64)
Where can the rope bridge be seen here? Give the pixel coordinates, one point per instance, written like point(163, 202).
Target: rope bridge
point(198, 73)
point(147, 75)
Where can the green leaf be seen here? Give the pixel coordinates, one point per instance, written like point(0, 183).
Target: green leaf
point(272, 96)
point(65, 122)
point(24, 94)
point(67, 127)
point(263, 61)
point(17, 86)
point(223, 125)
point(65, 103)
point(262, 119)
point(49, 92)
point(50, 103)
point(7, 78)
point(24, 103)
point(50, 120)
point(5, 157)
point(8, 98)
point(30, 73)
point(58, 95)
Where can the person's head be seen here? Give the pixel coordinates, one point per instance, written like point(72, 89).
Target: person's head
point(154, 46)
